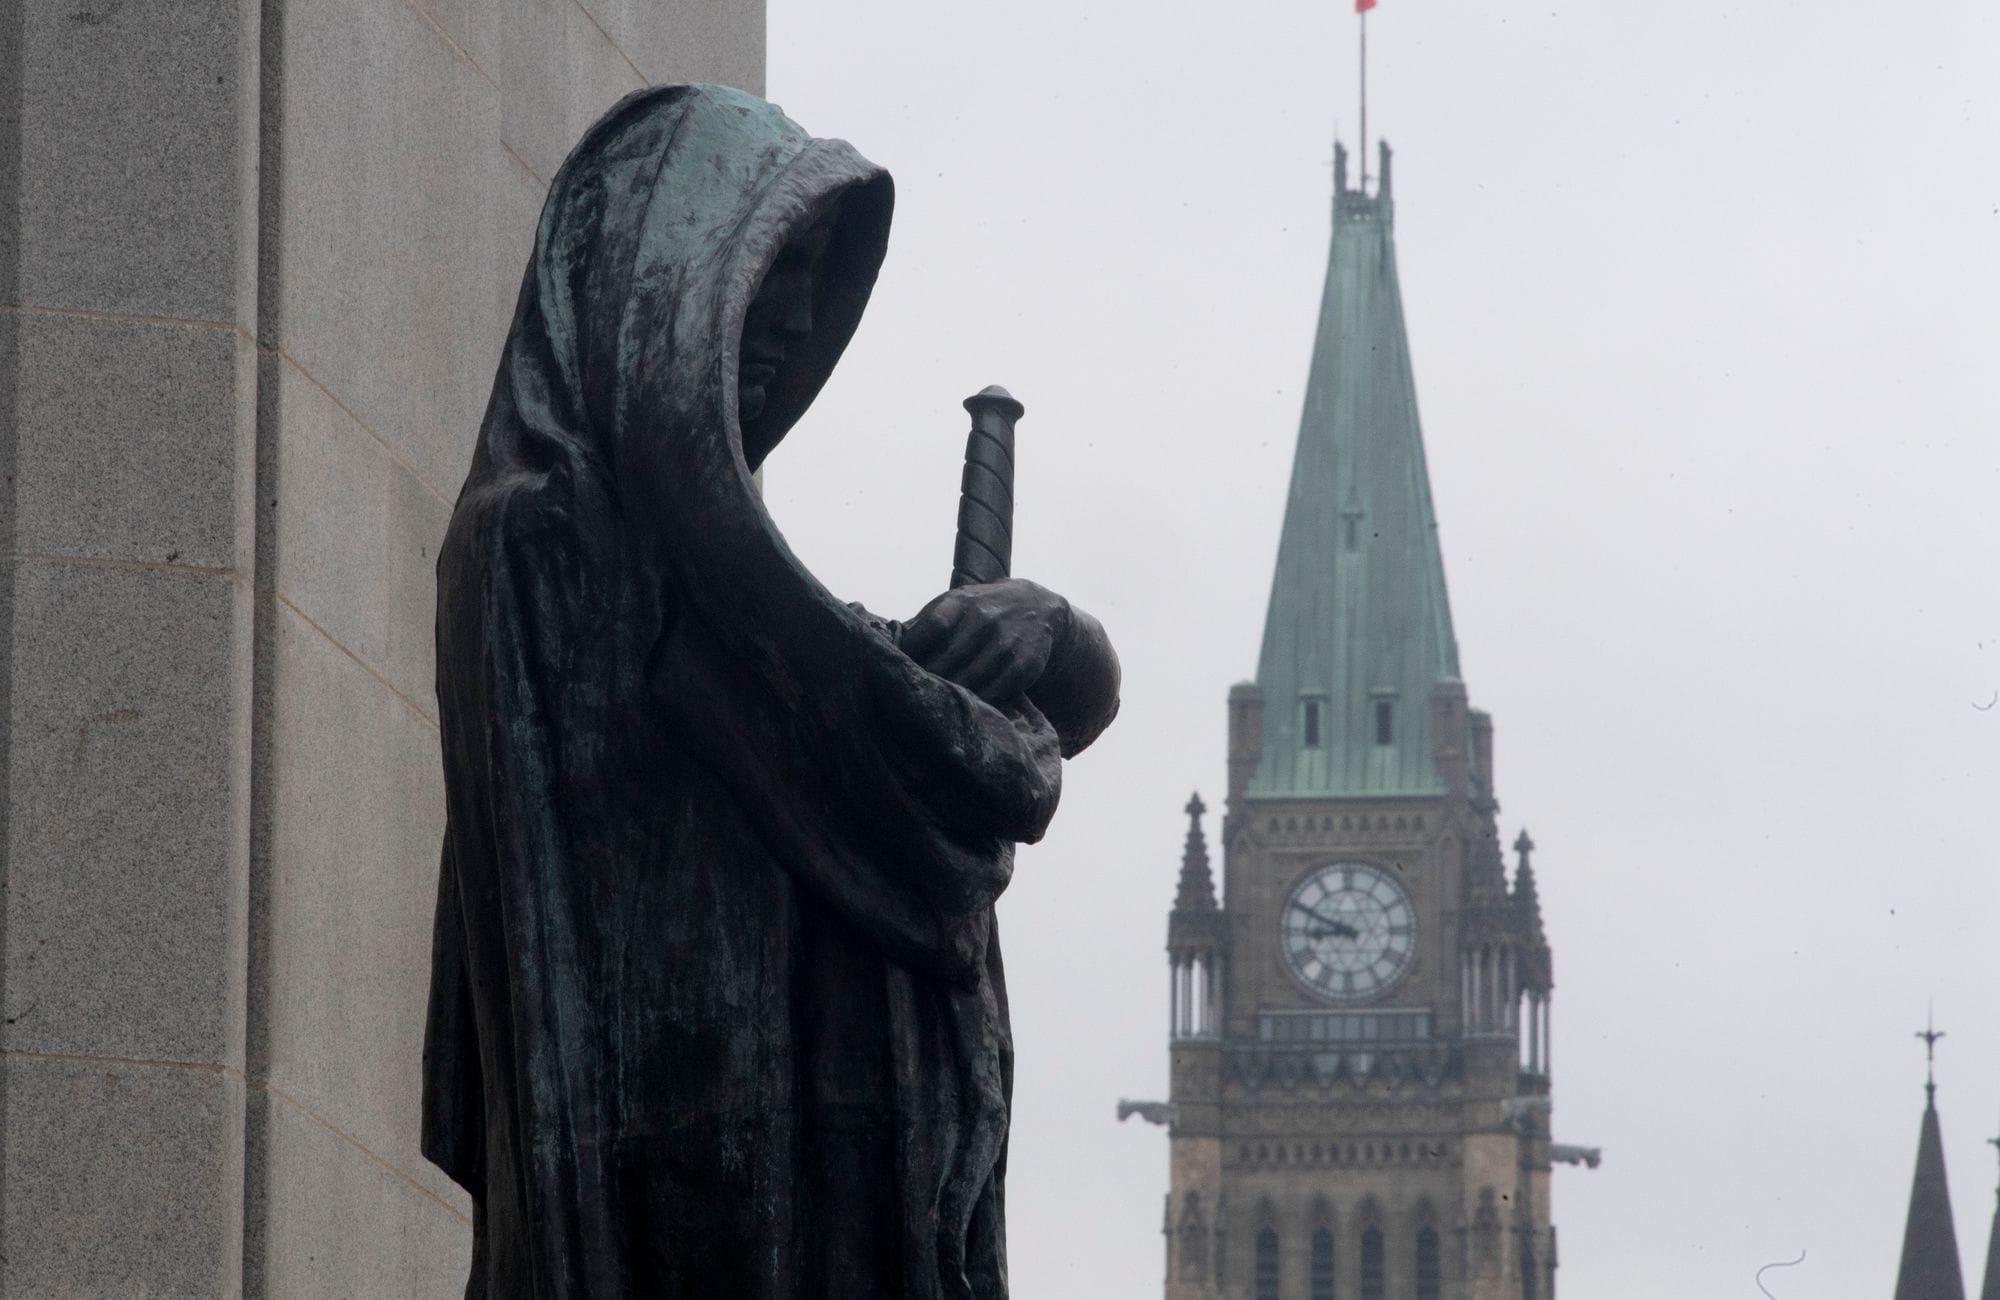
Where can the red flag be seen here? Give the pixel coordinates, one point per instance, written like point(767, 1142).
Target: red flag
point(1363, 6)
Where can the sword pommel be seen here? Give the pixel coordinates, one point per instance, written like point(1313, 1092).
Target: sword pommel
point(997, 399)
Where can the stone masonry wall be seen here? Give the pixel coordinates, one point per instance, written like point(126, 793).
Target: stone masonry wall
point(256, 261)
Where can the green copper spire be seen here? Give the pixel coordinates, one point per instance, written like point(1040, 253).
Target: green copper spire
point(1359, 628)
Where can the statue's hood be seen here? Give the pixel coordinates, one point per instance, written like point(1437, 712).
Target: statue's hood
point(655, 237)
point(613, 438)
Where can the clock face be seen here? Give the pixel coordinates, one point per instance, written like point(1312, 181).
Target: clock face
point(1348, 931)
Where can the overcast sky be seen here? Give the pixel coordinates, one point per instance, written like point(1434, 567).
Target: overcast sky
point(1704, 304)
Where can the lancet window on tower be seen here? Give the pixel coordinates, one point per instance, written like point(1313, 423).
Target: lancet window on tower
point(1535, 1032)
point(1322, 1265)
point(1374, 1266)
point(1430, 1265)
point(1268, 1275)
point(1193, 1240)
point(1496, 990)
point(1194, 990)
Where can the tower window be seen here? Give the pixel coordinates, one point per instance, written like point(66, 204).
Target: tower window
point(1322, 1265)
point(1353, 538)
point(1430, 1271)
point(1374, 1271)
point(1310, 720)
point(1194, 1240)
point(1529, 1289)
point(1267, 1265)
point(1385, 722)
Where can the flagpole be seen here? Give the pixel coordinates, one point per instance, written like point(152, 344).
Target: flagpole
point(1364, 101)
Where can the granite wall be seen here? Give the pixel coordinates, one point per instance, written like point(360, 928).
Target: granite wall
point(256, 261)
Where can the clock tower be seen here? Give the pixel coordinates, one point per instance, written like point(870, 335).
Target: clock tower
point(1360, 1027)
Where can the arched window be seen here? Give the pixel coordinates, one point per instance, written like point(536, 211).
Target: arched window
point(1267, 1265)
point(1374, 1270)
point(1322, 1265)
point(1194, 1248)
point(1529, 1291)
point(1430, 1271)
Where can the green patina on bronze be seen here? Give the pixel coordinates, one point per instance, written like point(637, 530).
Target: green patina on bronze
point(717, 1007)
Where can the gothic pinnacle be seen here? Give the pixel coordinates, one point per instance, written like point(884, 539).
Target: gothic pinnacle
point(1197, 891)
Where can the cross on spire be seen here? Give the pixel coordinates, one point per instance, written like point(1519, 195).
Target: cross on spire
point(1930, 1033)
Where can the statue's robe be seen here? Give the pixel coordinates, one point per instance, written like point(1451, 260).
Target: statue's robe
point(716, 1006)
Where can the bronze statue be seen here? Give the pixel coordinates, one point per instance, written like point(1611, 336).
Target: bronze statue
point(717, 1009)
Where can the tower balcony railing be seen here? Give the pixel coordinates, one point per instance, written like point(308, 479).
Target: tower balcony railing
point(1272, 1063)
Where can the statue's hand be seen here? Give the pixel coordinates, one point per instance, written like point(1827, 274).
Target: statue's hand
point(994, 639)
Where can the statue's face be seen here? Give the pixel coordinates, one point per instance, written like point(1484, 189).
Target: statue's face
point(779, 319)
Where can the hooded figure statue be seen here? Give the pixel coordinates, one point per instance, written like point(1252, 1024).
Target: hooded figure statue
point(716, 1005)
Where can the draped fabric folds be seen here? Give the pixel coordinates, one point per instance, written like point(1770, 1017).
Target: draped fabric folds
point(716, 1005)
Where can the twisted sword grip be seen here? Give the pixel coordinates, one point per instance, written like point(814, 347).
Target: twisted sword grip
point(985, 549)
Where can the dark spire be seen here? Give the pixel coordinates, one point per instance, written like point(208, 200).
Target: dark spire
point(1537, 968)
point(1526, 896)
point(1197, 892)
point(1989, 1289)
point(1930, 1269)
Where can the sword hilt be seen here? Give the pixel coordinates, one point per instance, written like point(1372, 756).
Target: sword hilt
point(985, 549)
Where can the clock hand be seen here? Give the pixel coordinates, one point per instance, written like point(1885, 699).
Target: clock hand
point(1336, 926)
point(1330, 924)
